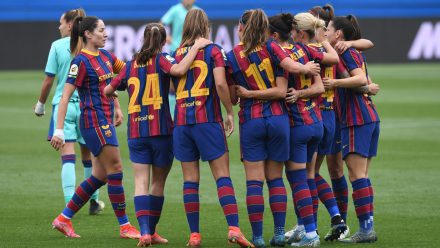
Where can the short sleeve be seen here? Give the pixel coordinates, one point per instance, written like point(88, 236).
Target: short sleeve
point(77, 72)
point(120, 81)
point(219, 56)
point(277, 52)
point(52, 64)
point(167, 19)
point(351, 59)
point(166, 62)
point(117, 63)
point(315, 55)
point(340, 68)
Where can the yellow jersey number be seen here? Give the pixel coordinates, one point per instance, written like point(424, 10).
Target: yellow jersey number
point(151, 95)
point(255, 72)
point(197, 89)
point(329, 94)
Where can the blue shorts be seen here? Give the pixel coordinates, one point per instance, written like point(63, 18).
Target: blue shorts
point(362, 140)
point(304, 141)
point(157, 150)
point(329, 123)
point(205, 140)
point(71, 123)
point(97, 137)
point(337, 146)
point(265, 138)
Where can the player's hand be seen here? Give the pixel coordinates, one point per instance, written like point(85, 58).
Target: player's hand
point(292, 95)
point(39, 109)
point(242, 92)
point(312, 68)
point(342, 46)
point(57, 140)
point(329, 83)
point(373, 89)
point(229, 124)
point(119, 117)
point(201, 43)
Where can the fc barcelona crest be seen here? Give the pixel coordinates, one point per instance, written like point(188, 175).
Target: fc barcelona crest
point(108, 133)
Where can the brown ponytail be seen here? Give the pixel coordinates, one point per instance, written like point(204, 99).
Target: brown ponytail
point(326, 12)
point(255, 29)
point(349, 26)
point(154, 39)
point(196, 26)
point(80, 25)
point(70, 15)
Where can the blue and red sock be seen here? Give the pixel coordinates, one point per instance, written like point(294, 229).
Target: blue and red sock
point(156, 205)
point(302, 198)
point(278, 204)
point(370, 187)
point(141, 206)
point(315, 199)
point(340, 190)
point(326, 195)
point(81, 196)
point(87, 173)
point(226, 196)
point(117, 196)
point(255, 207)
point(192, 205)
point(362, 203)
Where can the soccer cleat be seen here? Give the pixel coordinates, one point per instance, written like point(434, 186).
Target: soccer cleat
point(278, 240)
point(306, 242)
point(195, 239)
point(236, 237)
point(296, 236)
point(65, 227)
point(145, 241)
point(288, 234)
point(129, 232)
point(345, 234)
point(259, 243)
point(157, 239)
point(361, 237)
point(96, 207)
point(337, 228)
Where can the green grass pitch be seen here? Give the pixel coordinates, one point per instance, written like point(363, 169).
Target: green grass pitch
point(405, 174)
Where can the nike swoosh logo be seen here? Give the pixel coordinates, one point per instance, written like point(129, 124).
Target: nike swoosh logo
point(97, 68)
point(344, 146)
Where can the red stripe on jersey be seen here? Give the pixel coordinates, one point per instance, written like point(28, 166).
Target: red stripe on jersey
point(154, 125)
point(100, 136)
point(358, 113)
point(201, 112)
point(351, 137)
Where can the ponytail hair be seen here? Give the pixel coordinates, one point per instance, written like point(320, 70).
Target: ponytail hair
point(80, 25)
point(349, 26)
point(326, 12)
point(70, 15)
point(308, 23)
point(255, 29)
point(154, 39)
point(196, 26)
point(282, 24)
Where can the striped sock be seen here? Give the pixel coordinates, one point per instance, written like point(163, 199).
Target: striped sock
point(278, 204)
point(68, 177)
point(81, 196)
point(87, 173)
point(156, 204)
point(362, 204)
point(315, 199)
point(340, 189)
point(141, 206)
point(302, 198)
point(117, 197)
point(371, 201)
point(255, 207)
point(226, 196)
point(192, 205)
point(326, 196)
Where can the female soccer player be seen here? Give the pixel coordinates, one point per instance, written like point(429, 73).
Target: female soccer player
point(147, 80)
point(359, 123)
point(256, 64)
point(90, 71)
point(58, 63)
point(199, 130)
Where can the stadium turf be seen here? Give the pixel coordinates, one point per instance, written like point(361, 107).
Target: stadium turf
point(404, 175)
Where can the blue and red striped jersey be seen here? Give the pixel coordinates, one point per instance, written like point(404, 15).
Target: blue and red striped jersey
point(197, 100)
point(325, 101)
point(90, 72)
point(148, 87)
point(353, 108)
point(304, 111)
point(258, 71)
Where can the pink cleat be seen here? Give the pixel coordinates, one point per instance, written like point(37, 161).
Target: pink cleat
point(144, 240)
point(236, 237)
point(64, 226)
point(194, 240)
point(156, 239)
point(129, 232)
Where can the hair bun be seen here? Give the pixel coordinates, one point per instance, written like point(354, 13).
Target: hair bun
point(288, 18)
